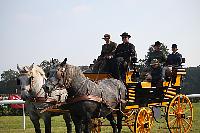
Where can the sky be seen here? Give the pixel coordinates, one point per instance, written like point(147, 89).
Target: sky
point(32, 31)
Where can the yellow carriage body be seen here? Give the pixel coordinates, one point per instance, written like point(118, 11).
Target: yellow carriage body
point(169, 88)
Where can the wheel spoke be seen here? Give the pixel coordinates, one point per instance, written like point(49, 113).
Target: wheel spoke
point(146, 117)
point(184, 105)
point(183, 125)
point(172, 120)
point(183, 99)
point(172, 125)
point(180, 126)
point(138, 127)
point(179, 102)
point(172, 107)
point(139, 124)
point(186, 111)
point(187, 122)
point(177, 125)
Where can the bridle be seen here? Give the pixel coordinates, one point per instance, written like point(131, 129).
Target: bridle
point(61, 75)
point(31, 82)
point(30, 79)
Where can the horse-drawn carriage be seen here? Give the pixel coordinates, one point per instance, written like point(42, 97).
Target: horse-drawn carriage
point(144, 98)
point(93, 95)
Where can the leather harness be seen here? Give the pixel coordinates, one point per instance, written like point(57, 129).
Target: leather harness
point(84, 98)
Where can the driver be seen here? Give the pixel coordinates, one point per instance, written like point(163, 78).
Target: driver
point(124, 54)
point(108, 49)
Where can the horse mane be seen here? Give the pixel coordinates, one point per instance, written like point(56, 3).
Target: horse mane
point(73, 71)
point(36, 70)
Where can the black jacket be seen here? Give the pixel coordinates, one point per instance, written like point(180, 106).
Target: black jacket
point(126, 51)
point(174, 59)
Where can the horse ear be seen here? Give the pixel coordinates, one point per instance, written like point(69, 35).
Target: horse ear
point(19, 69)
point(64, 62)
point(31, 67)
point(52, 60)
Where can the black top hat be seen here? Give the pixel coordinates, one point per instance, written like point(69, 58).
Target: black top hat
point(174, 46)
point(106, 36)
point(157, 43)
point(125, 34)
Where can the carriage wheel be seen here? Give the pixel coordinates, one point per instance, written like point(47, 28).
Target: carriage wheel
point(96, 125)
point(144, 120)
point(180, 114)
point(130, 119)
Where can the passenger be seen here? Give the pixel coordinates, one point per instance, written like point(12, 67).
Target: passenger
point(108, 49)
point(124, 54)
point(157, 54)
point(155, 72)
point(175, 58)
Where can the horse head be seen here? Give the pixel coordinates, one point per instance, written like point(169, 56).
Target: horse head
point(55, 75)
point(61, 75)
point(31, 79)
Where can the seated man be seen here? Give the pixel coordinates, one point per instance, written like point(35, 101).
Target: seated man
point(175, 58)
point(155, 73)
point(108, 49)
point(124, 53)
point(156, 54)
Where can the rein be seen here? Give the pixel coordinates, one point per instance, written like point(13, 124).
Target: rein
point(37, 98)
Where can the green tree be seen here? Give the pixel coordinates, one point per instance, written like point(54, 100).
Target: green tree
point(45, 65)
point(8, 81)
point(191, 81)
point(9, 75)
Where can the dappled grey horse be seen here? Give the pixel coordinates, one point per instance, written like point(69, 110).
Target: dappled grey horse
point(87, 99)
point(31, 80)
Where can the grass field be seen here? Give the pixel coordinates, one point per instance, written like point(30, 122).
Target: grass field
point(13, 124)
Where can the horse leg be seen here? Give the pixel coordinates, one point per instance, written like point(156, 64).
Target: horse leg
point(86, 126)
point(87, 122)
point(119, 121)
point(47, 122)
point(77, 124)
point(110, 117)
point(35, 120)
point(68, 121)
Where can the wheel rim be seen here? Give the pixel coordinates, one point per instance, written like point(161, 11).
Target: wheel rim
point(180, 114)
point(143, 121)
